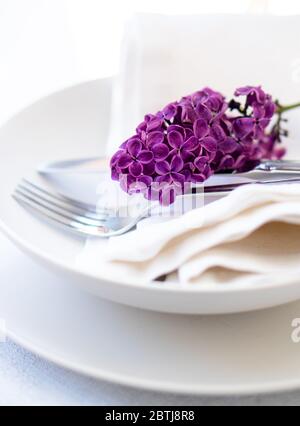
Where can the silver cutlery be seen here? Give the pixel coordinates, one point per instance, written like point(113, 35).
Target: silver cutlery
point(100, 164)
point(279, 166)
point(88, 220)
point(83, 165)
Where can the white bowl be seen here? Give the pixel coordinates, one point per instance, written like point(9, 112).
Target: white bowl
point(74, 123)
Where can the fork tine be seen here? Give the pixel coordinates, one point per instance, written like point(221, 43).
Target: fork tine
point(64, 205)
point(64, 199)
point(65, 224)
point(58, 211)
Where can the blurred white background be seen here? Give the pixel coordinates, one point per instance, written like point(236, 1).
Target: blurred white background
point(46, 45)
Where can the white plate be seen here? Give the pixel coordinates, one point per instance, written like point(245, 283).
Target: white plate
point(74, 123)
point(215, 355)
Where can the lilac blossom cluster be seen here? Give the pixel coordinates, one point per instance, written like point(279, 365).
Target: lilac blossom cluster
point(188, 141)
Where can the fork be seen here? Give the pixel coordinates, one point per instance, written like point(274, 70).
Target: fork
point(86, 219)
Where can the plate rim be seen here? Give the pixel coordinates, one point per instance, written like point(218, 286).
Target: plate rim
point(275, 387)
point(169, 286)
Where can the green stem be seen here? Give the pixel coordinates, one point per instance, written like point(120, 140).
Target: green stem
point(281, 109)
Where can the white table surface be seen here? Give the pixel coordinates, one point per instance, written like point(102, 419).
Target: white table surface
point(36, 36)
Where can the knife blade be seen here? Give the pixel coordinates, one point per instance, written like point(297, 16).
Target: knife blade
point(101, 165)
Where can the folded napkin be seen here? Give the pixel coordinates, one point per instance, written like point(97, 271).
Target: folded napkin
point(166, 57)
point(250, 234)
point(253, 231)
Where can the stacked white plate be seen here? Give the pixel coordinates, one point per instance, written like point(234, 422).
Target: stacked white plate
point(50, 310)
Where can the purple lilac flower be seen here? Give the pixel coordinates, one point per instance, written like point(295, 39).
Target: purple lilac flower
point(134, 158)
point(199, 135)
point(169, 172)
point(182, 142)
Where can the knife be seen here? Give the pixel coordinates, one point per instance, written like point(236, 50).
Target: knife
point(100, 165)
point(81, 165)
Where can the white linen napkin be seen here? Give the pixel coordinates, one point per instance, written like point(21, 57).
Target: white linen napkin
point(166, 57)
point(254, 230)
